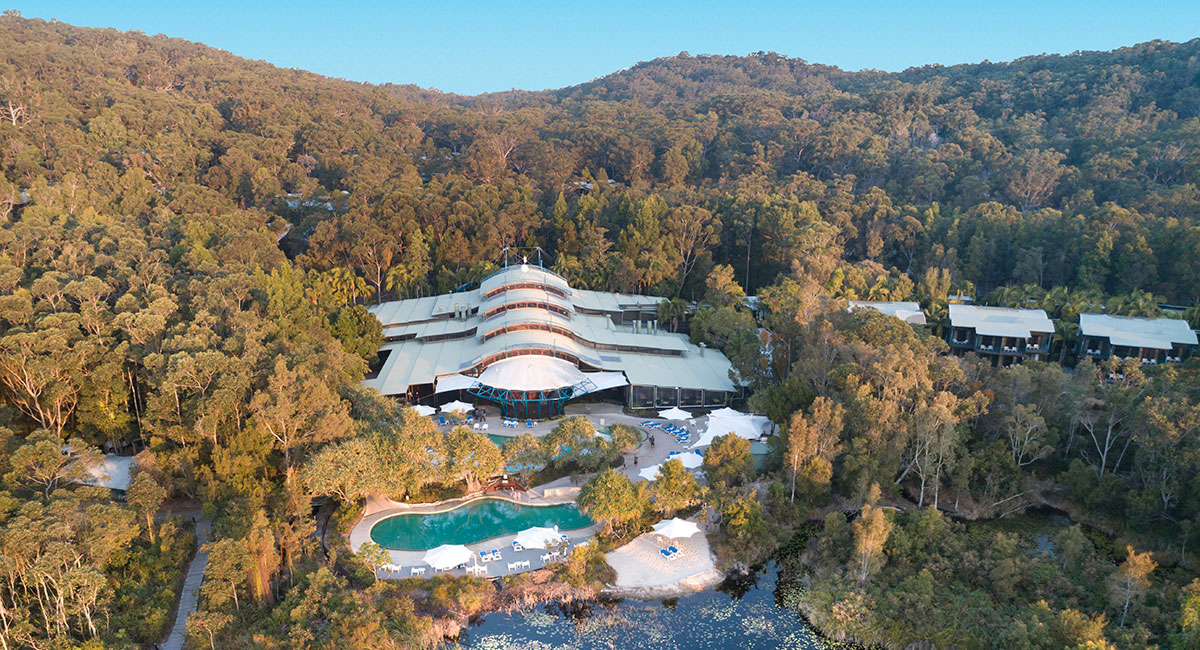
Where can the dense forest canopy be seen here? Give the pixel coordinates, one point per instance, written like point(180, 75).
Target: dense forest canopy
point(188, 241)
point(1074, 171)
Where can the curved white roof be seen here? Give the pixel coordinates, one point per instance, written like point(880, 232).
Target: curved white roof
point(526, 295)
point(431, 339)
point(531, 372)
point(524, 273)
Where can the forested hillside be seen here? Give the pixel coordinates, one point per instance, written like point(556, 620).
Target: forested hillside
point(188, 240)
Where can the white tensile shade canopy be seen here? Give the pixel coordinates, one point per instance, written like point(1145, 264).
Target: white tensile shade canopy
point(531, 372)
point(448, 556)
point(690, 460)
point(674, 413)
point(750, 427)
point(448, 383)
point(538, 537)
point(424, 410)
point(450, 407)
point(725, 412)
point(676, 528)
point(649, 473)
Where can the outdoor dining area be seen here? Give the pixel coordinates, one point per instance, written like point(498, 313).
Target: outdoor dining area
point(455, 413)
point(532, 548)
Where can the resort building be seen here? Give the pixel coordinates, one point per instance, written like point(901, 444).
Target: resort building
point(909, 312)
point(1153, 340)
point(1004, 334)
point(528, 341)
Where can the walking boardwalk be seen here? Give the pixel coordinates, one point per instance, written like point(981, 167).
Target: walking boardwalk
point(190, 594)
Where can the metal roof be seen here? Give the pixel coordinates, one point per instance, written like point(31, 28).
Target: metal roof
point(435, 343)
point(524, 273)
point(1151, 333)
point(909, 312)
point(1000, 321)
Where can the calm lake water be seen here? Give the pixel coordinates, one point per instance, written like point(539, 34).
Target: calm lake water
point(738, 616)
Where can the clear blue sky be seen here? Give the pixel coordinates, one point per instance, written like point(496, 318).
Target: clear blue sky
point(473, 47)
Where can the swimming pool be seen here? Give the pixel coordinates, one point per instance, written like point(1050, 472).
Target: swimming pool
point(474, 522)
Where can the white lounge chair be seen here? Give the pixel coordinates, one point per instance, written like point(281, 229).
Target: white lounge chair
point(513, 566)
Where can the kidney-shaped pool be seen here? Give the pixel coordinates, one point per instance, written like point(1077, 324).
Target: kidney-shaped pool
point(471, 523)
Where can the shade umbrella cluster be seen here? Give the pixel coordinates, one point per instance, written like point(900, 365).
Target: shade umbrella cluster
point(423, 410)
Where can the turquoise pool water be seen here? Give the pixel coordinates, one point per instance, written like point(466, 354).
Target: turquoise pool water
point(474, 522)
point(499, 440)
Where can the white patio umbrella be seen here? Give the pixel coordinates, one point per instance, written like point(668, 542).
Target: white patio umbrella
point(450, 407)
point(674, 413)
point(447, 556)
point(676, 528)
point(649, 473)
point(538, 537)
point(725, 412)
point(423, 410)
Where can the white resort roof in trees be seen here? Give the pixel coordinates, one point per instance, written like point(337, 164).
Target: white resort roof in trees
point(524, 273)
point(909, 312)
point(112, 472)
point(1150, 333)
point(435, 337)
point(1000, 321)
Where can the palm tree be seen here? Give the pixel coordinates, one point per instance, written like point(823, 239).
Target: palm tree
point(1137, 303)
point(399, 280)
point(1006, 296)
point(672, 310)
point(1192, 316)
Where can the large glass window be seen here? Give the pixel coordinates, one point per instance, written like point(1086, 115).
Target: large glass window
point(666, 396)
point(641, 396)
